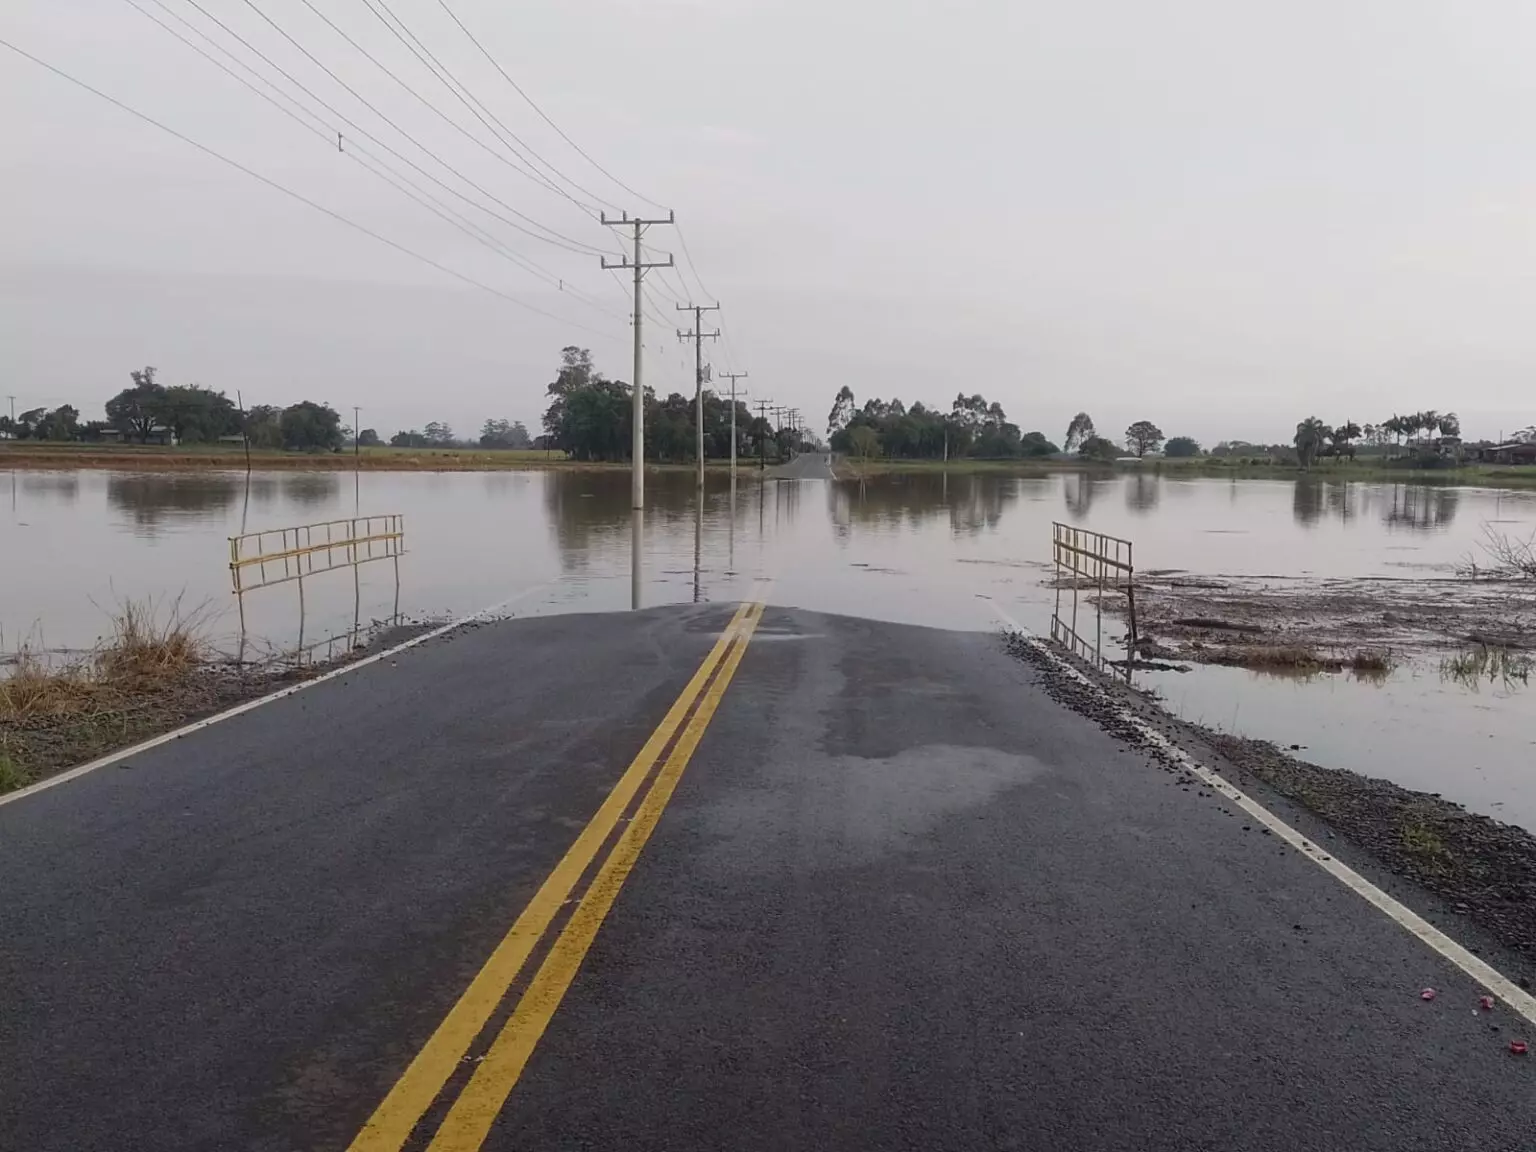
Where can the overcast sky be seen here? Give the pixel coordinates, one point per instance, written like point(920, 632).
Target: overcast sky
point(1220, 216)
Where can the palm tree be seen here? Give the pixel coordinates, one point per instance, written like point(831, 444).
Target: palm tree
point(1310, 434)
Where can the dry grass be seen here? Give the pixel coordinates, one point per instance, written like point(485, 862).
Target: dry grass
point(1296, 656)
point(149, 647)
point(1371, 663)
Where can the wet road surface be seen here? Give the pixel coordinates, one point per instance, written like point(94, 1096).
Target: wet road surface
point(898, 899)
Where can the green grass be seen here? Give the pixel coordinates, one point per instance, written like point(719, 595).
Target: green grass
point(1477, 475)
point(12, 776)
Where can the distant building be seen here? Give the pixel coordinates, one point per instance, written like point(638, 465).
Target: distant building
point(1510, 452)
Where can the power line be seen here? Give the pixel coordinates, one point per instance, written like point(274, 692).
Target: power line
point(561, 241)
point(532, 104)
point(444, 74)
point(526, 171)
point(413, 191)
point(356, 127)
point(300, 197)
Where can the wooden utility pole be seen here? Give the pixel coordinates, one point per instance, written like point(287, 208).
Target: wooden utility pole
point(733, 377)
point(698, 336)
point(640, 265)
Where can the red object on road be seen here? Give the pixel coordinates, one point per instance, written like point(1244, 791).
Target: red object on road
point(1427, 994)
point(1486, 1003)
point(1517, 1047)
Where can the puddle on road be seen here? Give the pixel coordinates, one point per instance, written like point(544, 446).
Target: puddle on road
point(919, 548)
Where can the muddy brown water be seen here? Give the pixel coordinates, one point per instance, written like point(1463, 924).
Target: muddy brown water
point(921, 548)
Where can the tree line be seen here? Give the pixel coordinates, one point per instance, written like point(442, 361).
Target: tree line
point(591, 417)
point(971, 427)
point(148, 411)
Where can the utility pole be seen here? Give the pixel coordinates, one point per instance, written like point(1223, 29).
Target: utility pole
point(733, 377)
point(640, 265)
point(762, 441)
point(698, 336)
point(357, 434)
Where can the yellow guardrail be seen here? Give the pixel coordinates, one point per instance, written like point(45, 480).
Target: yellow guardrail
point(279, 555)
point(1103, 563)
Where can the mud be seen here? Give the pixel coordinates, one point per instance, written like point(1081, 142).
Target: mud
point(1252, 622)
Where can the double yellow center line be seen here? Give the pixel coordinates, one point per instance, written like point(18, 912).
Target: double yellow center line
point(469, 1119)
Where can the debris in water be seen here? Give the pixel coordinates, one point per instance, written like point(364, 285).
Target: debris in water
point(1427, 994)
point(1517, 1047)
point(1486, 1003)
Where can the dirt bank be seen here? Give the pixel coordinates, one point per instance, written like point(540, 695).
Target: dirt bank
point(1481, 869)
point(1257, 621)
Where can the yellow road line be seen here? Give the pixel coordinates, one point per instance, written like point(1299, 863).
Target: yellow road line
point(473, 1113)
point(393, 1120)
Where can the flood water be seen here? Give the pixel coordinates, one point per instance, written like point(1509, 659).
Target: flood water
point(923, 548)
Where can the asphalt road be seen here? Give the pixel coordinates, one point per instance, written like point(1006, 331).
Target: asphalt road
point(899, 900)
point(806, 466)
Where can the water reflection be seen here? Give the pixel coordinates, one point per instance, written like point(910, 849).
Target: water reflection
point(151, 498)
point(973, 503)
point(1420, 507)
point(57, 487)
point(1080, 490)
point(1143, 490)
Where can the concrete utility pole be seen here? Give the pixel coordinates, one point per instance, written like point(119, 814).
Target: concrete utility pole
point(733, 377)
point(357, 434)
point(640, 265)
point(698, 336)
point(762, 441)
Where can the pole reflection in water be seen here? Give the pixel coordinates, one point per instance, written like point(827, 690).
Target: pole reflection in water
point(636, 551)
point(698, 545)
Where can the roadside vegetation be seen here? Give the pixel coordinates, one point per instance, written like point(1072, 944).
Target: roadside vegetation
point(53, 714)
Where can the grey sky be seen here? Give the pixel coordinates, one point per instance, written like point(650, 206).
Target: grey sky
point(1220, 216)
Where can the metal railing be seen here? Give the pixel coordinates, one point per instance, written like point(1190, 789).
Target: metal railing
point(279, 555)
point(1103, 564)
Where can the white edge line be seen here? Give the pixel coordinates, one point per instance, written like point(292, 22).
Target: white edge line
point(1484, 973)
point(249, 705)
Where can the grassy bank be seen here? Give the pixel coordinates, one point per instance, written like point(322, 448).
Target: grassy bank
point(43, 454)
point(155, 458)
point(1474, 475)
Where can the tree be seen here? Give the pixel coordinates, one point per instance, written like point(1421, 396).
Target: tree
point(193, 413)
point(307, 426)
point(136, 411)
point(410, 439)
point(1181, 448)
point(1143, 437)
point(1035, 444)
point(865, 441)
point(842, 410)
point(1099, 450)
point(438, 433)
point(368, 438)
point(504, 434)
point(264, 426)
point(1449, 425)
point(1310, 435)
point(1079, 430)
point(60, 424)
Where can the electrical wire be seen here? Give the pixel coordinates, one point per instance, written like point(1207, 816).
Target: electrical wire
point(449, 80)
point(532, 104)
point(524, 170)
point(561, 241)
point(356, 127)
point(394, 178)
point(300, 197)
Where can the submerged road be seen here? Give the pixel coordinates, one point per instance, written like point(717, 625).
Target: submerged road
point(806, 466)
point(703, 878)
